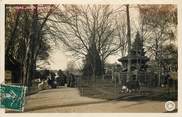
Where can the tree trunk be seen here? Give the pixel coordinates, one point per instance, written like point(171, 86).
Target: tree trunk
point(129, 44)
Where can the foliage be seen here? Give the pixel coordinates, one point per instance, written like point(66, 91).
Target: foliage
point(158, 26)
point(26, 40)
point(93, 63)
point(170, 57)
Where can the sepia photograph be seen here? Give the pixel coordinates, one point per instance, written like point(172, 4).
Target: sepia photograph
point(90, 58)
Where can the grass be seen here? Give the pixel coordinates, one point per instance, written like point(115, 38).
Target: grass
point(105, 89)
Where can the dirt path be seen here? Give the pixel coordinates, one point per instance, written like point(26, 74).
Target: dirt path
point(69, 100)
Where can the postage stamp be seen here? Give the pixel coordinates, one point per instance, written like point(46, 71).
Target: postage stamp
point(12, 97)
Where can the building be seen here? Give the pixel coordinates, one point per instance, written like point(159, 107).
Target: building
point(13, 70)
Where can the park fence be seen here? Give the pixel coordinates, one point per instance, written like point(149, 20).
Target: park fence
point(110, 88)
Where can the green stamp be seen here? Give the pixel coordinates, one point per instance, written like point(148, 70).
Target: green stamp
point(12, 97)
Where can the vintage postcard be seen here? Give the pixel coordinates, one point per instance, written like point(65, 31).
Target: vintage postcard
point(90, 57)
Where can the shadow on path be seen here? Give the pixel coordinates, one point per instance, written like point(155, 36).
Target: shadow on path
point(61, 106)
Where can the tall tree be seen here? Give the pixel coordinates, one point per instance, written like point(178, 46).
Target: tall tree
point(85, 28)
point(159, 27)
point(26, 36)
point(93, 63)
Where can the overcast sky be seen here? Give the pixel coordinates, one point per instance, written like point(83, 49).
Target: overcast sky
point(58, 58)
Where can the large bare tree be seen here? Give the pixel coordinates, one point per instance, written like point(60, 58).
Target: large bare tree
point(83, 28)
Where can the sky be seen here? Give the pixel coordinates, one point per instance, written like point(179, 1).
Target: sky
point(59, 59)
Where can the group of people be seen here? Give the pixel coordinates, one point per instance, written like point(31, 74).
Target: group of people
point(67, 80)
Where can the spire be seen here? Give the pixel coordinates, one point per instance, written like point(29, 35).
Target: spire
point(137, 46)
